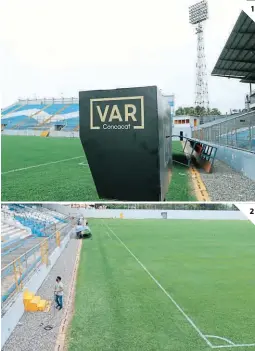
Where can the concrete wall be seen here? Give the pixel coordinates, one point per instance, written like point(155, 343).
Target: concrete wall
point(60, 134)
point(240, 161)
point(31, 132)
point(22, 132)
point(148, 214)
point(12, 316)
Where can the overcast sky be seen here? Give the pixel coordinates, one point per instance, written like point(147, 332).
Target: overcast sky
point(51, 47)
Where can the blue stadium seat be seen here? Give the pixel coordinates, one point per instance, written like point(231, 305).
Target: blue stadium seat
point(15, 121)
point(25, 122)
point(70, 109)
point(30, 107)
point(9, 109)
point(51, 110)
point(69, 123)
point(37, 227)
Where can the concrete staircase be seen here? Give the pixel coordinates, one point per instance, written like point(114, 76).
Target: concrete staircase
point(34, 303)
point(10, 232)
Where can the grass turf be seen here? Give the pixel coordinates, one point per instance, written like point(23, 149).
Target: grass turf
point(180, 188)
point(61, 181)
point(206, 266)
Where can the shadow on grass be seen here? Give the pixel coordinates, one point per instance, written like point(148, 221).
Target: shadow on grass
point(180, 188)
point(181, 160)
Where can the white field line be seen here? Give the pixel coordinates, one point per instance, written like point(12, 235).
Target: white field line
point(108, 234)
point(41, 165)
point(235, 345)
point(220, 338)
point(161, 287)
point(83, 164)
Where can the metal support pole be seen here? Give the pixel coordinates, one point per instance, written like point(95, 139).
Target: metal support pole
point(15, 275)
point(58, 238)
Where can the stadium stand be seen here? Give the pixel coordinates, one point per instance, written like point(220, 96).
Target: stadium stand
point(10, 109)
point(49, 114)
point(32, 219)
point(236, 131)
point(24, 229)
point(11, 229)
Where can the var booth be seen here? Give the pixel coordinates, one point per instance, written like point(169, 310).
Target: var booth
point(126, 136)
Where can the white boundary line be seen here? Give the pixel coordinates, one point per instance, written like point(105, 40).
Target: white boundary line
point(235, 345)
point(40, 165)
point(204, 337)
point(220, 338)
point(161, 287)
point(108, 234)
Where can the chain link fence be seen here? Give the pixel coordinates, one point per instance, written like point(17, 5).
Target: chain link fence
point(237, 132)
point(15, 273)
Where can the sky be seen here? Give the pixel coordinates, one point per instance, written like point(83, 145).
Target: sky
point(55, 47)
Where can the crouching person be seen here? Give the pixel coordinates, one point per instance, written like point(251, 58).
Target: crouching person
point(87, 231)
point(78, 231)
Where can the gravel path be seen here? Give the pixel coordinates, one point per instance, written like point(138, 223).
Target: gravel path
point(225, 184)
point(30, 334)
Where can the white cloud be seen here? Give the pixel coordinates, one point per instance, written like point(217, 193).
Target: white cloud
point(55, 46)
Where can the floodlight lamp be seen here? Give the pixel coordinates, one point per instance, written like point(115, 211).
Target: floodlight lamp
point(198, 12)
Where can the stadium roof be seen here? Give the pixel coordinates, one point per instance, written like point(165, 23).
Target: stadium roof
point(237, 59)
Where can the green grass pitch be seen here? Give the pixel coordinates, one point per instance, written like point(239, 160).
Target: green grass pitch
point(52, 169)
point(207, 267)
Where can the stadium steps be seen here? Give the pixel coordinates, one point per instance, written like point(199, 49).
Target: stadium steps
point(32, 116)
point(33, 303)
point(7, 231)
point(56, 113)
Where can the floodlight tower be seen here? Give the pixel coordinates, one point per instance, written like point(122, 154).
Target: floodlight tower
point(198, 14)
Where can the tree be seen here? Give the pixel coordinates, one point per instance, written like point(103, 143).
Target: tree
point(215, 112)
point(197, 111)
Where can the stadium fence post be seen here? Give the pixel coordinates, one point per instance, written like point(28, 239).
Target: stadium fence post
point(20, 274)
point(15, 275)
point(47, 251)
point(42, 252)
point(250, 135)
point(58, 238)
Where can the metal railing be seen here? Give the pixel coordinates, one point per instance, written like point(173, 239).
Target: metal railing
point(165, 206)
point(15, 274)
point(237, 132)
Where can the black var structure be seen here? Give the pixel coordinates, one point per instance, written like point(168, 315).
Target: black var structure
point(125, 136)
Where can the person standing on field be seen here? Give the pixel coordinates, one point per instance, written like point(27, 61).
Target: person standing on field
point(59, 292)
